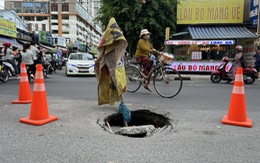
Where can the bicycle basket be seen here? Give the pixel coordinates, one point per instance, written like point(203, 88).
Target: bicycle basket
point(166, 58)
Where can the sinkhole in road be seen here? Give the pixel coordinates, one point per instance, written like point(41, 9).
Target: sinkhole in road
point(143, 123)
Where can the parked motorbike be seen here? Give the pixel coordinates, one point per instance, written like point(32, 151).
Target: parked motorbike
point(249, 73)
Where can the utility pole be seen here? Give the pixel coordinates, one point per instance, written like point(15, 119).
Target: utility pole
point(60, 17)
point(50, 17)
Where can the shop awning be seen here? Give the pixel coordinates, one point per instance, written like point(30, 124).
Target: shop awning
point(48, 48)
point(12, 41)
point(220, 32)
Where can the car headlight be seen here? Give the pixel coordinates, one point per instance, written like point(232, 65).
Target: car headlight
point(72, 65)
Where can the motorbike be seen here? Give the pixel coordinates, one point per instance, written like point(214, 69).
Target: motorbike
point(47, 65)
point(249, 73)
point(3, 72)
point(9, 69)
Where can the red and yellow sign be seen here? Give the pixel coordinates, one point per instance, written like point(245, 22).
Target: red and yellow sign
point(205, 11)
point(7, 28)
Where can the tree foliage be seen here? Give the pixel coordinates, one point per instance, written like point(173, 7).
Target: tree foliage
point(132, 16)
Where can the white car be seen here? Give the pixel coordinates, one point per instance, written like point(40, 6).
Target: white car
point(80, 64)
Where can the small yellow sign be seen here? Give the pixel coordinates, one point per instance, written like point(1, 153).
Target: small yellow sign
point(7, 28)
point(205, 11)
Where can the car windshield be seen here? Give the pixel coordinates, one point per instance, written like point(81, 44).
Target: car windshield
point(81, 56)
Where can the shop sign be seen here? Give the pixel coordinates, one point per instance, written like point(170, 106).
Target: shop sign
point(42, 36)
point(195, 66)
point(206, 12)
point(253, 18)
point(60, 41)
point(45, 37)
point(7, 28)
point(199, 42)
point(49, 38)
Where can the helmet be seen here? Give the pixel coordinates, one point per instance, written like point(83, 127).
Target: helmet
point(239, 48)
point(7, 44)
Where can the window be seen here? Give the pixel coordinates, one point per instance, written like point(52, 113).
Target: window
point(40, 18)
point(16, 6)
point(41, 7)
point(44, 27)
point(54, 7)
point(55, 17)
point(28, 7)
point(65, 33)
point(54, 24)
point(54, 31)
point(65, 6)
point(28, 18)
point(36, 27)
point(65, 17)
point(29, 26)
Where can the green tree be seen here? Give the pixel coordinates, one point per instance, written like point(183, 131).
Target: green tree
point(132, 16)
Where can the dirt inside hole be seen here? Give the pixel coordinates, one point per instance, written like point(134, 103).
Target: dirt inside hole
point(139, 118)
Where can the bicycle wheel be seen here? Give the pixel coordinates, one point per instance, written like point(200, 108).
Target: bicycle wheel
point(133, 79)
point(171, 83)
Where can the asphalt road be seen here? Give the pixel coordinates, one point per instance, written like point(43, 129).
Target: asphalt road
point(196, 113)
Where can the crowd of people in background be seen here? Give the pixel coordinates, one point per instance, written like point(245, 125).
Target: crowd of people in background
point(30, 55)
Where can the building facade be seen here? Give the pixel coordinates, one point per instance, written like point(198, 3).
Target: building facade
point(70, 19)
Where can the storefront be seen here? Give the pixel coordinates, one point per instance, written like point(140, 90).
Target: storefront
point(208, 45)
point(212, 30)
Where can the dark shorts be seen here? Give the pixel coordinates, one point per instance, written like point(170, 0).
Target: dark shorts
point(257, 68)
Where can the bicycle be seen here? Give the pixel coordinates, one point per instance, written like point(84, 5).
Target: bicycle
point(167, 81)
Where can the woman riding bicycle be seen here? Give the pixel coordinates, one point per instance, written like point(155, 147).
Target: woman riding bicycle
point(142, 54)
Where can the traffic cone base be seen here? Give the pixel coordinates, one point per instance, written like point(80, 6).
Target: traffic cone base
point(247, 123)
point(29, 121)
point(24, 90)
point(21, 102)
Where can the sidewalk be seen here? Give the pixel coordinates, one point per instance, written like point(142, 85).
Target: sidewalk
point(195, 76)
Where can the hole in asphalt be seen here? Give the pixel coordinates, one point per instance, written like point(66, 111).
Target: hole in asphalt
point(143, 123)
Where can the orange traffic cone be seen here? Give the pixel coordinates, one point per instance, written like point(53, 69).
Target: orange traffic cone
point(24, 90)
point(39, 114)
point(237, 109)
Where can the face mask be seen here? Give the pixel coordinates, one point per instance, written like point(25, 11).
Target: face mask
point(147, 37)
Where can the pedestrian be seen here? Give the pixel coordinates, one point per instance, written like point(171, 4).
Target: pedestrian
point(28, 59)
point(257, 62)
point(142, 54)
point(237, 61)
point(7, 56)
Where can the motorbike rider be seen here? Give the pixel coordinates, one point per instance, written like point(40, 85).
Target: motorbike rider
point(237, 61)
point(17, 57)
point(257, 62)
point(142, 54)
point(28, 59)
point(35, 51)
point(7, 56)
